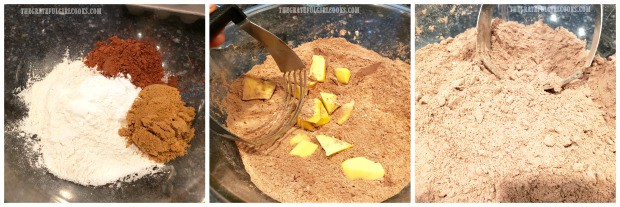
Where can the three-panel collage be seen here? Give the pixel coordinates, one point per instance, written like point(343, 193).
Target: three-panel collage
point(456, 104)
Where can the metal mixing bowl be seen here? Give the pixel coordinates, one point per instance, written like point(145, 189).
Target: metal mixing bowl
point(381, 28)
point(35, 43)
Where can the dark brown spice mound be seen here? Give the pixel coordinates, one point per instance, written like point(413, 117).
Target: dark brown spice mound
point(138, 59)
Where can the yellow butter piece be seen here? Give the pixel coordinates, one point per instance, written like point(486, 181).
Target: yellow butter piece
point(342, 75)
point(298, 91)
point(254, 88)
point(305, 125)
point(344, 113)
point(330, 101)
point(332, 145)
point(298, 138)
point(362, 168)
point(311, 111)
point(318, 68)
point(304, 149)
point(311, 84)
point(324, 117)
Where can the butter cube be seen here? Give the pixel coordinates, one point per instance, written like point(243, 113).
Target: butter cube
point(330, 101)
point(332, 145)
point(362, 168)
point(298, 138)
point(311, 84)
point(344, 113)
point(297, 91)
point(324, 117)
point(342, 75)
point(318, 68)
point(305, 125)
point(254, 88)
point(304, 149)
point(311, 111)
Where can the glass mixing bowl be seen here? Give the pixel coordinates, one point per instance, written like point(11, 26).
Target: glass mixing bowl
point(35, 43)
point(384, 29)
point(451, 20)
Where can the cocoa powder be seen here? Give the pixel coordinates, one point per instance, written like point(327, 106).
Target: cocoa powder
point(159, 123)
point(138, 59)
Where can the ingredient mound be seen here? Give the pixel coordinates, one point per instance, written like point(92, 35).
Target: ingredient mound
point(138, 59)
point(480, 139)
point(159, 123)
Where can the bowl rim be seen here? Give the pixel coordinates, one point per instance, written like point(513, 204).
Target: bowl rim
point(256, 9)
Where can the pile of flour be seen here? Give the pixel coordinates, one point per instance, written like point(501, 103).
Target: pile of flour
point(76, 113)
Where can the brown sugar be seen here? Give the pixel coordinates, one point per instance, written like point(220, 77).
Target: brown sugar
point(159, 123)
point(480, 139)
point(379, 128)
point(139, 60)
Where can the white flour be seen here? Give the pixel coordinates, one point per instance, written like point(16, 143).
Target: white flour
point(76, 114)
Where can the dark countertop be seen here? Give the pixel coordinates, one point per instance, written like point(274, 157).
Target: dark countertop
point(35, 43)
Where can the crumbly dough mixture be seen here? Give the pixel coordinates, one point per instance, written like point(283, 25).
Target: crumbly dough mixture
point(480, 139)
point(379, 129)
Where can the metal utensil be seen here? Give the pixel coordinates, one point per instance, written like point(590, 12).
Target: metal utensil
point(484, 45)
point(484, 39)
point(188, 13)
point(288, 62)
